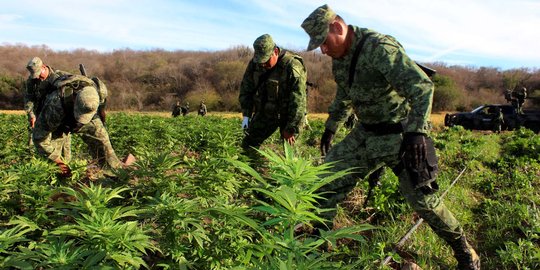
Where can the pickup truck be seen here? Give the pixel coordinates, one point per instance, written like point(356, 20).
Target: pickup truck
point(481, 118)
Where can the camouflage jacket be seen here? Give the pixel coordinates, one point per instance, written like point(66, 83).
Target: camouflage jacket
point(388, 86)
point(37, 90)
point(279, 92)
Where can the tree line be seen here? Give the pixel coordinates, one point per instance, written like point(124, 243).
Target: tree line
point(153, 80)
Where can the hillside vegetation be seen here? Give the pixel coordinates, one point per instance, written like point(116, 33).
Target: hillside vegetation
point(153, 80)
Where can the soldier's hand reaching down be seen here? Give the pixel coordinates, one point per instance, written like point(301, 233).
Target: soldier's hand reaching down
point(326, 141)
point(288, 137)
point(65, 171)
point(245, 122)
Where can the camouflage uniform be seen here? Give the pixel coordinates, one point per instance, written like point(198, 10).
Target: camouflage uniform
point(176, 109)
point(275, 98)
point(82, 118)
point(391, 96)
point(34, 97)
point(202, 109)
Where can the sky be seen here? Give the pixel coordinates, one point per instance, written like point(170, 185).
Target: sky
point(502, 34)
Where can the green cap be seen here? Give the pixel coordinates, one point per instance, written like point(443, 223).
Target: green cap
point(317, 24)
point(264, 47)
point(86, 105)
point(34, 67)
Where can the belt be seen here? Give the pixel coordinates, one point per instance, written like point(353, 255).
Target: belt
point(383, 128)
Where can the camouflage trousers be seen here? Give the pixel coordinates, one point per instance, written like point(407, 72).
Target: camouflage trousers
point(367, 152)
point(261, 127)
point(59, 141)
point(97, 138)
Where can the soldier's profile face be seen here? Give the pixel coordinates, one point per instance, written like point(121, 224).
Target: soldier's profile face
point(272, 61)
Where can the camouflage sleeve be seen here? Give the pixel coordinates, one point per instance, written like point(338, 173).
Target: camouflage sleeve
point(247, 91)
point(341, 107)
point(29, 99)
point(409, 81)
point(296, 82)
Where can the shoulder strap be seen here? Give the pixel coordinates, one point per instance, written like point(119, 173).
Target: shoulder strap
point(354, 60)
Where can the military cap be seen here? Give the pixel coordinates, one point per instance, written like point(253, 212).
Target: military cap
point(317, 24)
point(264, 47)
point(34, 67)
point(86, 105)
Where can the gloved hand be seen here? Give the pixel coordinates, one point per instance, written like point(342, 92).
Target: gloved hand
point(65, 171)
point(289, 137)
point(326, 141)
point(414, 149)
point(245, 122)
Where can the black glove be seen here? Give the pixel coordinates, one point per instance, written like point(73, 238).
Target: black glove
point(414, 149)
point(326, 141)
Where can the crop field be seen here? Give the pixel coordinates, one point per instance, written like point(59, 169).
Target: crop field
point(192, 200)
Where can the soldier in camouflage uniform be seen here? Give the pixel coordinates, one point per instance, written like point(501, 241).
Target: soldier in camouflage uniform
point(38, 85)
point(392, 97)
point(272, 94)
point(72, 108)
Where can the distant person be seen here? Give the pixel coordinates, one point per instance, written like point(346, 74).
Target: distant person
point(202, 109)
point(392, 97)
point(185, 109)
point(351, 121)
point(521, 95)
point(272, 94)
point(72, 107)
point(38, 85)
point(497, 120)
point(177, 108)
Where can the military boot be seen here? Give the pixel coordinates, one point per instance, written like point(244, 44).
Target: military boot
point(465, 254)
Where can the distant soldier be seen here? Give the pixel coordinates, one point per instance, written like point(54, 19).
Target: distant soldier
point(38, 85)
point(202, 109)
point(185, 109)
point(521, 95)
point(176, 109)
point(72, 108)
point(497, 120)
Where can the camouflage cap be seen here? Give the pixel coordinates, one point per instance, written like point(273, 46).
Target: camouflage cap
point(317, 24)
point(264, 47)
point(86, 105)
point(34, 67)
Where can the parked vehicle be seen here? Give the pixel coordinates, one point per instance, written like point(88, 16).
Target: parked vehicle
point(482, 117)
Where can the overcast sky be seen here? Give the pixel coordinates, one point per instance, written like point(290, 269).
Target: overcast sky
point(492, 33)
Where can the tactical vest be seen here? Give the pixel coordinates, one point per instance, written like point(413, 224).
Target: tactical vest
point(268, 85)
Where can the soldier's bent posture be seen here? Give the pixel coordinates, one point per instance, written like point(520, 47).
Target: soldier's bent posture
point(272, 94)
point(72, 108)
point(392, 97)
point(38, 85)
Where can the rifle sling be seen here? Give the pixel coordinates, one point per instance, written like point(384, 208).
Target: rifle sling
point(354, 60)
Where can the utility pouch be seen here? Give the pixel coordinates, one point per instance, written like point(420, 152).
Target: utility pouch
point(424, 176)
point(272, 92)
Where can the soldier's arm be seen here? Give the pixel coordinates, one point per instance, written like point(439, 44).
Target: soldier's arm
point(29, 99)
point(247, 91)
point(340, 108)
point(409, 80)
point(297, 99)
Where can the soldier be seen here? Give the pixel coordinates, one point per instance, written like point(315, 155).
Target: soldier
point(176, 109)
point(38, 85)
point(72, 108)
point(185, 109)
point(392, 98)
point(272, 94)
point(521, 95)
point(497, 120)
point(202, 109)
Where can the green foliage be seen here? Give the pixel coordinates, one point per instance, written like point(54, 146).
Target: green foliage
point(190, 202)
point(447, 95)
